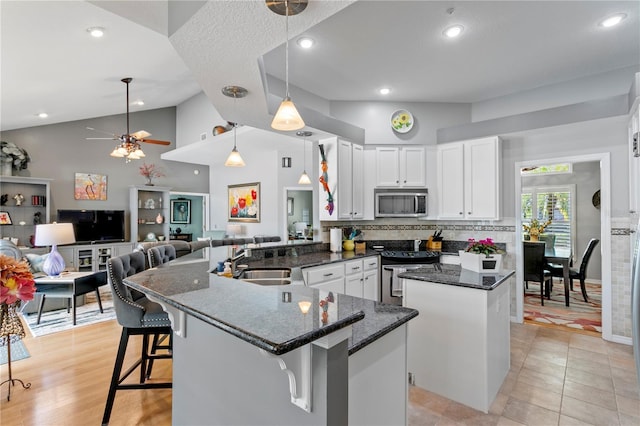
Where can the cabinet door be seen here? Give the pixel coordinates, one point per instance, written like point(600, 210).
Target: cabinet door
point(345, 181)
point(451, 180)
point(387, 166)
point(353, 285)
point(482, 179)
point(68, 254)
point(413, 166)
point(371, 285)
point(634, 161)
point(357, 184)
point(337, 286)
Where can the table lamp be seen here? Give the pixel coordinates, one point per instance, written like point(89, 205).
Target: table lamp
point(53, 234)
point(234, 230)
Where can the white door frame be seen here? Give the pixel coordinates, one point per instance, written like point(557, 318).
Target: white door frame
point(605, 232)
point(285, 219)
point(205, 206)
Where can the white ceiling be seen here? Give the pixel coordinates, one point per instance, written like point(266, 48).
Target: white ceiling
point(50, 64)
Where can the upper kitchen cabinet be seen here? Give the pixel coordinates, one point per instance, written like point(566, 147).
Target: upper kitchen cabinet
point(343, 171)
point(469, 179)
point(400, 167)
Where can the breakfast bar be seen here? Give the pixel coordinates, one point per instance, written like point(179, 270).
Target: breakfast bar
point(288, 354)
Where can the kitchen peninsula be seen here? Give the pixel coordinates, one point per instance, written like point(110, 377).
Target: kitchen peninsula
point(459, 346)
point(250, 354)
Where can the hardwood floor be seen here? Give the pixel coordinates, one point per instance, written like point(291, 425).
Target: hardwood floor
point(556, 378)
point(70, 373)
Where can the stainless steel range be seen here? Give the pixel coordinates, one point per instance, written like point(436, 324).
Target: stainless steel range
point(395, 262)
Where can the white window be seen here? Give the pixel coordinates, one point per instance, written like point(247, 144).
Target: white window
point(556, 203)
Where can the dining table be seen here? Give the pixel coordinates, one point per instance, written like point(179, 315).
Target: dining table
point(561, 256)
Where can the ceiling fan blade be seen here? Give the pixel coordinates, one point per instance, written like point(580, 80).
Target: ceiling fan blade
point(141, 134)
point(111, 139)
point(155, 141)
point(102, 131)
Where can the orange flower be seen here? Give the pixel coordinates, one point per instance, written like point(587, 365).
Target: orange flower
point(16, 280)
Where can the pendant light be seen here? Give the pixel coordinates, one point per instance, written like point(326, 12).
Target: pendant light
point(234, 159)
point(304, 177)
point(287, 117)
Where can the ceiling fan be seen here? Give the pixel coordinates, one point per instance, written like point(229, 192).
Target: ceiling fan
point(129, 147)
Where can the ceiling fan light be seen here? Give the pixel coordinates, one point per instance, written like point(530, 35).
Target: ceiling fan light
point(139, 153)
point(287, 117)
point(234, 159)
point(116, 153)
point(304, 179)
point(122, 150)
point(133, 156)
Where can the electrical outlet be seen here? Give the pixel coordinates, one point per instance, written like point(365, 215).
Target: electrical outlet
point(412, 379)
point(203, 136)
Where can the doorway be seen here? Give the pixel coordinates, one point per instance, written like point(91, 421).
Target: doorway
point(300, 220)
point(198, 219)
point(602, 164)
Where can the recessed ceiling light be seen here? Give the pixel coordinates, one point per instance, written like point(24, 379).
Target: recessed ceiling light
point(305, 42)
point(613, 20)
point(453, 31)
point(385, 91)
point(96, 32)
point(43, 115)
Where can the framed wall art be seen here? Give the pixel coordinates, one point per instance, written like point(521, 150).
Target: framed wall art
point(90, 186)
point(5, 219)
point(244, 202)
point(181, 211)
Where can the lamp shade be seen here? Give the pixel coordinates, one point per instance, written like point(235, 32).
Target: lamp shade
point(234, 159)
point(287, 117)
point(51, 235)
point(234, 230)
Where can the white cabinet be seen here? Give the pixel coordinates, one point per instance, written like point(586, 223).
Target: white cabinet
point(362, 278)
point(149, 212)
point(469, 179)
point(92, 258)
point(634, 158)
point(345, 180)
point(19, 220)
point(399, 167)
point(326, 278)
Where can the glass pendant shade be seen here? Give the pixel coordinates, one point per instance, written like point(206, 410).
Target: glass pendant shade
point(287, 118)
point(234, 159)
point(304, 179)
point(116, 153)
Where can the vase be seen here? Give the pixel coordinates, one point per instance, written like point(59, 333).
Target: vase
point(348, 245)
point(149, 183)
point(533, 237)
point(479, 262)
point(6, 167)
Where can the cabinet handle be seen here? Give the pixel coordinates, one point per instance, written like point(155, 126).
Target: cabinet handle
point(328, 275)
point(468, 212)
point(460, 213)
point(397, 181)
point(405, 181)
point(355, 268)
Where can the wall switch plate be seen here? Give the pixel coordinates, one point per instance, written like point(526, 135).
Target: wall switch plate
point(203, 136)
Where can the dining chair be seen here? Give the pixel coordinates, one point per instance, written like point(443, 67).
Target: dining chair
point(534, 268)
point(581, 273)
point(138, 316)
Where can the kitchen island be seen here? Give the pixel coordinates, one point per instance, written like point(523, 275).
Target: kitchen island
point(249, 354)
point(459, 346)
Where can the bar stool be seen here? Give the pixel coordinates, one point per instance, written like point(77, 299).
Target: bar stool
point(138, 316)
point(161, 254)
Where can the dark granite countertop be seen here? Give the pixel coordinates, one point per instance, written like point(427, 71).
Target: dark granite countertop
point(267, 316)
point(455, 275)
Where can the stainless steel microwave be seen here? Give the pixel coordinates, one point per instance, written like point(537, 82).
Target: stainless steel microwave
point(401, 202)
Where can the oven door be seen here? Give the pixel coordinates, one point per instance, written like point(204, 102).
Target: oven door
point(391, 286)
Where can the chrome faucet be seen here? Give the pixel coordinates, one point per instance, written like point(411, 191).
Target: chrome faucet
point(244, 253)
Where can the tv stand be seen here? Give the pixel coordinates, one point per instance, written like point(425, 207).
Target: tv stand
point(92, 257)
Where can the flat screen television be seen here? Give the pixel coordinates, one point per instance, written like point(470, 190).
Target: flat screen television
point(95, 226)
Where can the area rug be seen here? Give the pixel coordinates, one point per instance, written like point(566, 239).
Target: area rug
point(60, 320)
point(18, 351)
point(578, 315)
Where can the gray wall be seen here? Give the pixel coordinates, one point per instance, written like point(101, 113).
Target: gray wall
point(58, 151)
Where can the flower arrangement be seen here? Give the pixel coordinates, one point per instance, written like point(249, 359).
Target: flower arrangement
point(534, 227)
point(16, 281)
point(18, 156)
point(486, 247)
point(151, 171)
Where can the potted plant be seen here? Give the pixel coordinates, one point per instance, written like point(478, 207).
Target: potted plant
point(481, 256)
point(150, 171)
point(12, 158)
point(535, 228)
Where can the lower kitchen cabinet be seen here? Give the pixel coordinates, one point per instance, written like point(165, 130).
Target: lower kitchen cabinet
point(357, 277)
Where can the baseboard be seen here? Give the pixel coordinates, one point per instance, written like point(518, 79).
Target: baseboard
point(621, 339)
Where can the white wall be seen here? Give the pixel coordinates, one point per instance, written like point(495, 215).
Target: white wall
point(194, 117)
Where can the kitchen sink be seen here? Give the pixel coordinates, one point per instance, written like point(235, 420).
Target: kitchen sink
point(267, 276)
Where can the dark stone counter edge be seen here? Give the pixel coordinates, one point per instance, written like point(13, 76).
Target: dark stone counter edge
point(427, 278)
point(274, 348)
point(375, 336)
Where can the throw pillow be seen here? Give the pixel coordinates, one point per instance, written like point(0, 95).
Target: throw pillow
point(36, 261)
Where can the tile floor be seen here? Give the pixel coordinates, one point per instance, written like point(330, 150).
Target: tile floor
point(556, 378)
